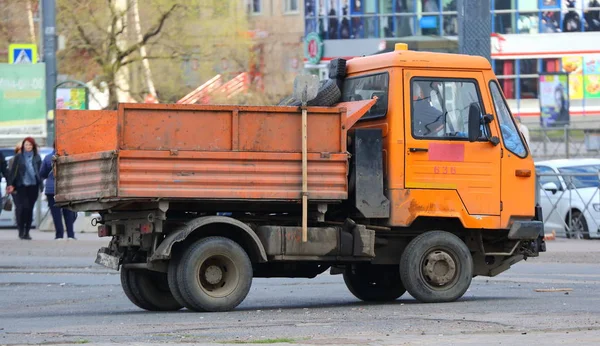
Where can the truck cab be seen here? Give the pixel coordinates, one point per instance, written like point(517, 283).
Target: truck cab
point(433, 169)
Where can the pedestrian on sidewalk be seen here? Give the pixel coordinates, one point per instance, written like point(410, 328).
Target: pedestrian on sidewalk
point(25, 182)
point(47, 173)
point(3, 173)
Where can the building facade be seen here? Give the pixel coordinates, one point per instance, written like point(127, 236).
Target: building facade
point(277, 28)
point(530, 38)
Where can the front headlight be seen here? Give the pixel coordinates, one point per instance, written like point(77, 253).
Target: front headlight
point(596, 207)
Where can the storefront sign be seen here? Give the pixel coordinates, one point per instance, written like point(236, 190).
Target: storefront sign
point(535, 46)
point(554, 99)
point(313, 48)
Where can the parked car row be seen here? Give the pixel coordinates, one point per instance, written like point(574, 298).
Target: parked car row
point(570, 196)
point(7, 218)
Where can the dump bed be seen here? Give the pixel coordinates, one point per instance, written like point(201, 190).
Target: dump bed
point(171, 152)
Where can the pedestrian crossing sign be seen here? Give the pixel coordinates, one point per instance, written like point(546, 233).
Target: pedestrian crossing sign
point(22, 53)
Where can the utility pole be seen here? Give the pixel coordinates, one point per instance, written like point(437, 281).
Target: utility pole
point(474, 28)
point(49, 58)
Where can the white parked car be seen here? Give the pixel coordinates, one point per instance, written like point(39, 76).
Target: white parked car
point(7, 218)
point(570, 198)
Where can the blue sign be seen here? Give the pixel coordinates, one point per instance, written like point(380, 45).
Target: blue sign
point(428, 22)
point(22, 54)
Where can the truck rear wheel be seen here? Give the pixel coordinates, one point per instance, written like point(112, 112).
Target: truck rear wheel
point(374, 283)
point(436, 267)
point(148, 290)
point(214, 274)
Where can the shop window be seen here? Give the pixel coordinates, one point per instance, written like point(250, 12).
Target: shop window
point(450, 21)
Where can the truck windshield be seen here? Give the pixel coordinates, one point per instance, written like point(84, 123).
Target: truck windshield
point(365, 88)
point(512, 138)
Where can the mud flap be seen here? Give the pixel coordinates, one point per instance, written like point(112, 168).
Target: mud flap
point(104, 258)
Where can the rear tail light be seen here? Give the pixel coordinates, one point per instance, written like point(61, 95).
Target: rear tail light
point(103, 231)
point(146, 228)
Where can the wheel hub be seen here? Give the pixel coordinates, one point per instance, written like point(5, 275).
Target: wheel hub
point(439, 268)
point(213, 274)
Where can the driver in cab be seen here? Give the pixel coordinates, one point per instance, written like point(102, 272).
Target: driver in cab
point(428, 121)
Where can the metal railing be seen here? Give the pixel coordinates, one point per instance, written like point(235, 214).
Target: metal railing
point(564, 143)
point(569, 209)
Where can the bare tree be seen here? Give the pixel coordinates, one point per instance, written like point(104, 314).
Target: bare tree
point(170, 31)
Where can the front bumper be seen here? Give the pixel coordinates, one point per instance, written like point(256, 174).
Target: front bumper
point(530, 233)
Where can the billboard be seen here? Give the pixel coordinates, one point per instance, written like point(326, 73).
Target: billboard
point(554, 99)
point(71, 98)
point(584, 76)
point(22, 100)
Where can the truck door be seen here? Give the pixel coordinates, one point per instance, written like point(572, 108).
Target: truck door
point(438, 154)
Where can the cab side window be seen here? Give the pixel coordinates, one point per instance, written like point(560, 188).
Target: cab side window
point(440, 108)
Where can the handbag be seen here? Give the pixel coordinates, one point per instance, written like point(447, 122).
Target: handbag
point(7, 203)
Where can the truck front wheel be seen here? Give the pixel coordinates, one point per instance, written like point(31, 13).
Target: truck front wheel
point(214, 274)
point(148, 290)
point(436, 267)
point(375, 283)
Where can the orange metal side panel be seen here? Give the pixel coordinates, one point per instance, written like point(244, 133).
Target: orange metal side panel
point(230, 175)
point(408, 204)
point(229, 128)
point(86, 176)
point(79, 132)
point(280, 132)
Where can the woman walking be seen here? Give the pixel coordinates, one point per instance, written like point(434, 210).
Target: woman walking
point(24, 180)
point(57, 212)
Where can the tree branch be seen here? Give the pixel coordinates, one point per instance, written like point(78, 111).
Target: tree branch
point(148, 35)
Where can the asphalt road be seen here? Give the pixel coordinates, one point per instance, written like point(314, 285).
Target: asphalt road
point(52, 293)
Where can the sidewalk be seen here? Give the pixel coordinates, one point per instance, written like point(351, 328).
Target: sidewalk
point(13, 234)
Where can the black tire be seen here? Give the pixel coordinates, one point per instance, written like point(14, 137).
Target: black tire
point(374, 283)
point(148, 290)
point(218, 259)
point(126, 285)
point(578, 229)
point(172, 281)
point(329, 94)
point(289, 101)
point(422, 256)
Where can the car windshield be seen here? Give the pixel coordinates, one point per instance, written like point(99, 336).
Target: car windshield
point(576, 181)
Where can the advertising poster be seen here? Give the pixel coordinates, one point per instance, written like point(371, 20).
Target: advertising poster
point(591, 79)
point(591, 86)
point(70, 98)
point(554, 99)
point(22, 100)
point(573, 65)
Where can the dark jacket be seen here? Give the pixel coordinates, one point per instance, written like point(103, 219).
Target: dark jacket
point(17, 170)
point(47, 173)
point(3, 170)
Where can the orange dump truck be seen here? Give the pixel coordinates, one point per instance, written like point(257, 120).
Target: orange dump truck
point(417, 180)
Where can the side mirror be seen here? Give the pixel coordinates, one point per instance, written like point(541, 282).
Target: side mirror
point(474, 122)
point(550, 186)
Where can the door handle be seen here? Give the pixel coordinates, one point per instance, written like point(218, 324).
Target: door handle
point(418, 150)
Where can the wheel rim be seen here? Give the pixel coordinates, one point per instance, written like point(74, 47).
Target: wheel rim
point(218, 276)
point(577, 227)
point(439, 269)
